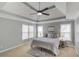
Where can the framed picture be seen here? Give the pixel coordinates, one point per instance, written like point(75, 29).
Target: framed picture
point(51, 28)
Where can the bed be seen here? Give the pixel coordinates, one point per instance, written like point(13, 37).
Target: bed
point(47, 43)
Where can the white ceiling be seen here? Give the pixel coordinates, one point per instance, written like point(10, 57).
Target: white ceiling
point(42, 4)
point(68, 9)
point(2, 4)
point(72, 10)
point(60, 5)
point(21, 9)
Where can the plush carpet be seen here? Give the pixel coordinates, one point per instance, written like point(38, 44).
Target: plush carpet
point(40, 52)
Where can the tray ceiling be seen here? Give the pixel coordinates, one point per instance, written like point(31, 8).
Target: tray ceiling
point(19, 8)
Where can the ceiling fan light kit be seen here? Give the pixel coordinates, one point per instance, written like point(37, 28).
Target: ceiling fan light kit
point(39, 14)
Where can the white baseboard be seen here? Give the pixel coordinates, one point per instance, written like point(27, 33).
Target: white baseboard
point(11, 48)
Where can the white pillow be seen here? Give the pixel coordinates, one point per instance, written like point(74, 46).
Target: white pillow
point(50, 35)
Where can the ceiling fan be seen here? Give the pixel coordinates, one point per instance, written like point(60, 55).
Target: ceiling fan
point(40, 12)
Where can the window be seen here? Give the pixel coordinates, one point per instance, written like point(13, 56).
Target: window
point(65, 32)
point(24, 32)
point(31, 31)
point(27, 31)
point(40, 31)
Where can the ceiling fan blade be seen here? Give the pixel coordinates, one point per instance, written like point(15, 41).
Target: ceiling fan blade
point(48, 8)
point(51, 7)
point(29, 6)
point(46, 14)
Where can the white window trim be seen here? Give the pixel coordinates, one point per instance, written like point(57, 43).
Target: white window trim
point(28, 31)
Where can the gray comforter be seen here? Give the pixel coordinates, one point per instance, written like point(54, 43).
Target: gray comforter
point(47, 43)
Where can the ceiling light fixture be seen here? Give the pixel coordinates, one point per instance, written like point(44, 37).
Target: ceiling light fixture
point(39, 14)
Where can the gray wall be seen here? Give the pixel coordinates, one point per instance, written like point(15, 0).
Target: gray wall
point(77, 35)
point(10, 33)
point(57, 27)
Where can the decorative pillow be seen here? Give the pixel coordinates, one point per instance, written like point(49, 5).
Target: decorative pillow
point(50, 35)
